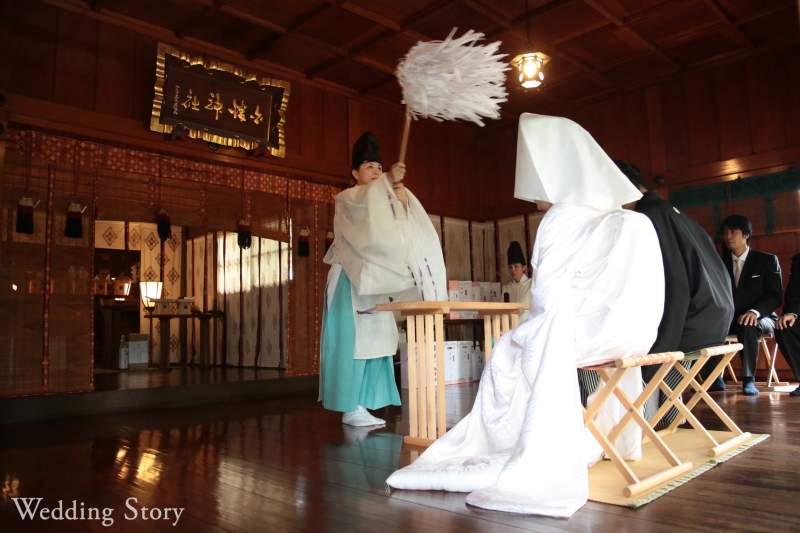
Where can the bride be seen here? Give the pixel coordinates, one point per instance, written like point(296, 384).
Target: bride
point(597, 295)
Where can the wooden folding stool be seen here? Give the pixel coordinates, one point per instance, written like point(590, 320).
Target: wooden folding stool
point(770, 355)
point(674, 399)
point(611, 386)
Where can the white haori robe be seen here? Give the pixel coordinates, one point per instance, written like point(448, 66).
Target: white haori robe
point(597, 295)
point(386, 252)
point(519, 293)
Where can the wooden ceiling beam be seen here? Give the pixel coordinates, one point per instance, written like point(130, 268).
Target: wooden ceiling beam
point(294, 25)
point(190, 24)
point(97, 5)
point(633, 33)
point(393, 28)
point(252, 19)
point(727, 21)
point(548, 49)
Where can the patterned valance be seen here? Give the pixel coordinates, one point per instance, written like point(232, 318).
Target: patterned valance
point(100, 156)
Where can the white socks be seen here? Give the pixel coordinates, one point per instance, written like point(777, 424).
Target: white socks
point(361, 417)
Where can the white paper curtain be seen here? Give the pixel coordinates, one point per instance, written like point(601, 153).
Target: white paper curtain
point(459, 262)
point(250, 286)
point(110, 234)
point(153, 253)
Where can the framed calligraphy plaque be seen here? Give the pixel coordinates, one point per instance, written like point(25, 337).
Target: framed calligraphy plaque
point(218, 102)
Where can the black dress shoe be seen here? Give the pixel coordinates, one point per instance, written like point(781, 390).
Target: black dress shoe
point(795, 392)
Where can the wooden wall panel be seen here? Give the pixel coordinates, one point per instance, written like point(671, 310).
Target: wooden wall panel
point(637, 139)
point(733, 111)
point(764, 83)
point(701, 113)
point(676, 135)
point(144, 78)
point(33, 56)
point(312, 108)
point(76, 60)
point(115, 72)
point(336, 147)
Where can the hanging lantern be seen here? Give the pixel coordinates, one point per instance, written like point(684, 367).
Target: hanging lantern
point(303, 249)
point(529, 69)
point(74, 225)
point(164, 225)
point(25, 215)
point(245, 237)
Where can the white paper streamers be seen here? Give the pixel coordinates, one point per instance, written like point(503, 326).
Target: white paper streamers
point(454, 79)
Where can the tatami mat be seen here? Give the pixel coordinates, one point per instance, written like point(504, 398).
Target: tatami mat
point(606, 482)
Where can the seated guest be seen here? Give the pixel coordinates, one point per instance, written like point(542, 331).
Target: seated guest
point(597, 294)
point(788, 334)
point(698, 306)
point(757, 292)
point(519, 289)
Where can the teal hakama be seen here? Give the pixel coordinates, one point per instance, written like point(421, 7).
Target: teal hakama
point(347, 382)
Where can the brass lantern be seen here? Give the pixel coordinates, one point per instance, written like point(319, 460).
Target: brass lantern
point(529, 67)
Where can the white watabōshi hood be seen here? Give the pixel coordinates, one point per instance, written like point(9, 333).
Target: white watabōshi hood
point(559, 162)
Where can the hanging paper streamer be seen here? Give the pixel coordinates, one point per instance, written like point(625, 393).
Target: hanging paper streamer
point(245, 237)
point(329, 236)
point(74, 226)
point(164, 225)
point(303, 249)
point(25, 215)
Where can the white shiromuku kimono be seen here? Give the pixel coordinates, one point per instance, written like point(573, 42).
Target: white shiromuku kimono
point(384, 251)
point(597, 294)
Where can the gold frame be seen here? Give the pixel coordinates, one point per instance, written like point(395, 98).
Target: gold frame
point(215, 64)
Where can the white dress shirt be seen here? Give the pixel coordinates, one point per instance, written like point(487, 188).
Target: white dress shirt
point(738, 266)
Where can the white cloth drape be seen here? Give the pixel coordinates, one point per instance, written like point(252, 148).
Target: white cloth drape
point(385, 250)
point(597, 295)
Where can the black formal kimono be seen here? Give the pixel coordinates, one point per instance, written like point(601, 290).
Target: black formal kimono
point(698, 307)
point(789, 338)
point(760, 289)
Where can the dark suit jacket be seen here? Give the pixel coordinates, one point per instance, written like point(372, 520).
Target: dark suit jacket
point(791, 304)
point(760, 284)
point(698, 306)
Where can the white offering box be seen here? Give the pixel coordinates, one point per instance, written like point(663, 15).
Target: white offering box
point(137, 351)
point(185, 306)
point(495, 292)
point(165, 306)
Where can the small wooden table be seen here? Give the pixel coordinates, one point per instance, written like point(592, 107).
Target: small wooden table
point(425, 328)
point(205, 335)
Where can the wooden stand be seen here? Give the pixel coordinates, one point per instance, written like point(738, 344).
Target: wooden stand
point(426, 401)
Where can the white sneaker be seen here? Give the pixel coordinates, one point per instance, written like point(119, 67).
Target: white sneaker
point(361, 417)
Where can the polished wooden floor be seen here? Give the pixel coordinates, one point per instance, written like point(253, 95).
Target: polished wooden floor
point(289, 465)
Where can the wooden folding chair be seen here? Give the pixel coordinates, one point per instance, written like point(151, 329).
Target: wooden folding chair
point(674, 399)
point(769, 355)
point(611, 380)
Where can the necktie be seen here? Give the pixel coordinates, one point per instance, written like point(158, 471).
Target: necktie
point(737, 270)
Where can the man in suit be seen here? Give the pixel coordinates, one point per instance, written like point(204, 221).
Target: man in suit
point(788, 334)
point(757, 292)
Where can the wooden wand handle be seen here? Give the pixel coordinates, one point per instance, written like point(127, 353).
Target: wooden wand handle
point(404, 143)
